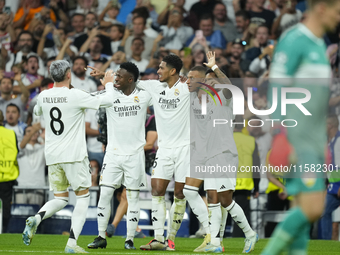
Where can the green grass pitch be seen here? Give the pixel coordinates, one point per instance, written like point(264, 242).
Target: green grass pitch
point(55, 244)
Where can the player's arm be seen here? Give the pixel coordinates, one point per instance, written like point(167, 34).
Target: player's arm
point(37, 108)
point(151, 135)
point(212, 65)
point(107, 81)
point(35, 128)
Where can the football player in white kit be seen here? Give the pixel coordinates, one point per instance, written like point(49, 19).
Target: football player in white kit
point(65, 149)
point(222, 151)
point(124, 161)
point(171, 101)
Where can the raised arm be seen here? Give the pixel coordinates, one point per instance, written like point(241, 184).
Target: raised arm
point(35, 128)
point(212, 65)
point(63, 49)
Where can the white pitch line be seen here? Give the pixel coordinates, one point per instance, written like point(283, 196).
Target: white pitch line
point(135, 253)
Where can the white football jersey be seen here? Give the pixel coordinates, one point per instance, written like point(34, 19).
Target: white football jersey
point(172, 112)
point(126, 122)
point(220, 138)
point(64, 113)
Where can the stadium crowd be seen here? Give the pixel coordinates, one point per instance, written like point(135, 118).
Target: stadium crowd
point(105, 33)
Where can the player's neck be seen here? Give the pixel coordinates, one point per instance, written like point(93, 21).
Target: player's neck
point(172, 80)
point(129, 90)
point(313, 24)
point(62, 84)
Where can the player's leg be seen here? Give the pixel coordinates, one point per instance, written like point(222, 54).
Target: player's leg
point(120, 211)
point(332, 203)
point(163, 170)
point(198, 207)
point(309, 209)
point(110, 180)
point(59, 184)
point(181, 156)
point(158, 214)
point(79, 176)
point(134, 180)
point(300, 242)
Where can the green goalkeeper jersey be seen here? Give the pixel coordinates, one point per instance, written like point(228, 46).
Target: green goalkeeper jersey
point(300, 61)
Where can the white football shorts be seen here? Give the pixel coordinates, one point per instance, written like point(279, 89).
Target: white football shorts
point(76, 174)
point(171, 162)
point(128, 170)
point(228, 164)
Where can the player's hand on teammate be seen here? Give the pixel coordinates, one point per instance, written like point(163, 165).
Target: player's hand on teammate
point(109, 77)
point(96, 73)
point(211, 59)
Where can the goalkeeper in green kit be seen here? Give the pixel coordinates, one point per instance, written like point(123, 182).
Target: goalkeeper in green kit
point(300, 61)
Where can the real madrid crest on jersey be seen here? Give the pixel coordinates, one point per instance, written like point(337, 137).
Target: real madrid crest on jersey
point(136, 99)
point(176, 92)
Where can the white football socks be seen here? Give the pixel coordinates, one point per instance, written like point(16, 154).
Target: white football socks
point(240, 218)
point(132, 213)
point(198, 206)
point(215, 217)
point(176, 217)
point(223, 222)
point(158, 217)
point(50, 208)
point(78, 218)
point(104, 209)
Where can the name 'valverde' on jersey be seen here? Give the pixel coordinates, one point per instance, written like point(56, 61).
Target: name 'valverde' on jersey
point(126, 122)
point(300, 60)
point(64, 113)
point(172, 111)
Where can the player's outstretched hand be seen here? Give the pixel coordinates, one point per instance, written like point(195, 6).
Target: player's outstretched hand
point(211, 59)
point(109, 77)
point(96, 73)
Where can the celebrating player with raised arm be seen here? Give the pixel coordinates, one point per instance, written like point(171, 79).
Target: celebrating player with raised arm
point(65, 149)
point(222, 151)
point(124, 161)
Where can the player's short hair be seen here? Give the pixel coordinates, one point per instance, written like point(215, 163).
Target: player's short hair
point(334, 120)
point(59, 69)
point(173, 61)
point(201, 69)
point(132, 69)
point(312, 3)
point(13, 105)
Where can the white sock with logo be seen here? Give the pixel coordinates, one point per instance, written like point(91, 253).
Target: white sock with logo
point(198, 206)
point(215, 217)
point(132, 213)
point(223, 222)
point(177, 212)
point(240, 219)
point(50, 208)
point(158, 217)
point(104, 209)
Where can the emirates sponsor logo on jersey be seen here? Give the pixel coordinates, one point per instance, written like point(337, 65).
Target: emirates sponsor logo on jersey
point(127, 111)
point(169, 103)
point(136, 99)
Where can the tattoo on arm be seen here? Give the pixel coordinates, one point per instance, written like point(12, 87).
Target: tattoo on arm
point(220, 74)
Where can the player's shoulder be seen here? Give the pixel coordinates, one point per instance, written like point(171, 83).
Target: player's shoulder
point(296, 36)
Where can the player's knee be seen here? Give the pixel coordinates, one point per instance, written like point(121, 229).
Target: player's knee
point(189, 192)
point(212, 200)
point(156, 191)
point(225, 198)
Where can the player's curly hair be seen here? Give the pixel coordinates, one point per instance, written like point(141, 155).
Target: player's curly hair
point(131, 68)
point(173, 61)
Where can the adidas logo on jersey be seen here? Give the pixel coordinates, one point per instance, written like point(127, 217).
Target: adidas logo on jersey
point(141, 185)
point(162, 93)
point(100, 215)
point(222, 187)
point(117, 101)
